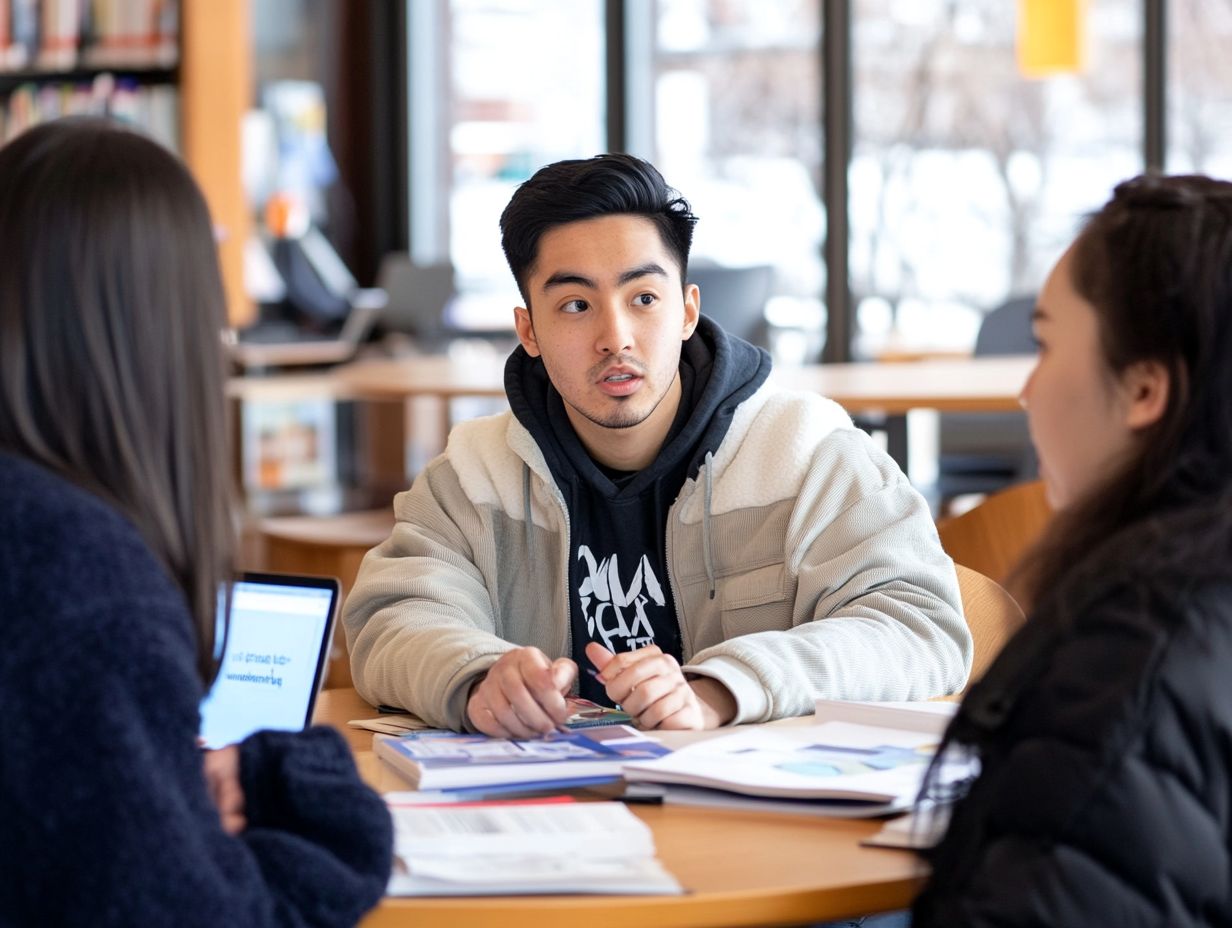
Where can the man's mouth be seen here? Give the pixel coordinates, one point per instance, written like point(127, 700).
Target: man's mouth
point(620, 382)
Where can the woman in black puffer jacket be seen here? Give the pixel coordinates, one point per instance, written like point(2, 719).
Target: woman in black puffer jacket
point(1104, 730)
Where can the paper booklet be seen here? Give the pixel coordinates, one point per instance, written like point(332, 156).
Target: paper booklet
point(521, 848)
point(916, 830)
point(452, 760)
point(582, 714)
point(872, 766)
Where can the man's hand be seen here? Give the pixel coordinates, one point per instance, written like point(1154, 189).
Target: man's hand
point(650, 686)
point(522, 695)
point(222, 779)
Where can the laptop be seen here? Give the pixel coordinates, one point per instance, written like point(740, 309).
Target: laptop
point(276, 653)
point(288, 347)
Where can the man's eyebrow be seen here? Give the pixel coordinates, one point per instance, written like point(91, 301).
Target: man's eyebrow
point(564, 278)
point(567, 278)
point(1039, 314)
point(645, 270)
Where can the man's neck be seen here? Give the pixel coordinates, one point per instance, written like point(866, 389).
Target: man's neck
point(634, 448)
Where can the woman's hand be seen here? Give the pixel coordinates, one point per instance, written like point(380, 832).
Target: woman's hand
point(222, 778)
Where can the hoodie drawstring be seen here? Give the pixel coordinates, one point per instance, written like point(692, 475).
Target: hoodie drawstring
point(708, 468)
point(528, 526)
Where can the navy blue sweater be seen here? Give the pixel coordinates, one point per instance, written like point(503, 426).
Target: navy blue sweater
point(104, 814)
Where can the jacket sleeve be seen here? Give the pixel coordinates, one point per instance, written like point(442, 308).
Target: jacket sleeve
point(1103, 802)
point(877, 611)
point(107, 819)
point(419, 621)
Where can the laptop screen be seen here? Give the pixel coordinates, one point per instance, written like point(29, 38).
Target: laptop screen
point(275, 657)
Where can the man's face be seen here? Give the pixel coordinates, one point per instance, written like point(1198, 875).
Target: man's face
point(608, 320)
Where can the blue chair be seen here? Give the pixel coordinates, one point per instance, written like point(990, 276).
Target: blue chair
point(735, 298)
point(986, 452)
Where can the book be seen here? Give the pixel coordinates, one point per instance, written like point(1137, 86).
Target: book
point(528, 847)
point(453, 760)
point(872, 765)
point(677, 794)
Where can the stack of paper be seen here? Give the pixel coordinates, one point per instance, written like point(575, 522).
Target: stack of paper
point(524, 848)
point(857, 759)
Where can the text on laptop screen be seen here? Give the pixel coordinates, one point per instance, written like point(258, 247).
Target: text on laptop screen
point(268, 674)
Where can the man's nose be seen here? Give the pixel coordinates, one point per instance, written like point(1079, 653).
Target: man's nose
point(615, 334)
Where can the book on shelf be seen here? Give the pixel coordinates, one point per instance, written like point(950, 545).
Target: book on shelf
point(454, 760)
point(850, 760)
point(523, 847)
point(56, 36)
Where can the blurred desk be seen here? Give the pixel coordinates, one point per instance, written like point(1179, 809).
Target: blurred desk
point(739, 868)
point(890, 391)
point(990, 384)
point(966, 385)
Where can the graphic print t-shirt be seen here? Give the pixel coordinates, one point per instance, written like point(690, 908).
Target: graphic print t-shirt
point(619, 590)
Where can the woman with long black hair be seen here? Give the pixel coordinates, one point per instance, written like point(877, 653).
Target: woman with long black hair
point(116, 536)
point(1104, 729)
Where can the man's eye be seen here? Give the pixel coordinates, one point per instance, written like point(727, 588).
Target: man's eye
point(645, 299)
point(574, 306)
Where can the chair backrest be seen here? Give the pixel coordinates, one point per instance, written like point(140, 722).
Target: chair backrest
point(1007, 329)
point(735, 298)
point(418, 295)
point(994, 535)
point(992, 615)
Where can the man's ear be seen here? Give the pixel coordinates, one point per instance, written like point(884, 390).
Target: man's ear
point(526, 330)
point(1145, 386)
point(692, 310)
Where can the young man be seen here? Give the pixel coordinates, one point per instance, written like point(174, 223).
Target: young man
point(704, 548)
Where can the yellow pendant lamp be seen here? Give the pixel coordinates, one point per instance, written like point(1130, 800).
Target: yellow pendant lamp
point(1051, 37)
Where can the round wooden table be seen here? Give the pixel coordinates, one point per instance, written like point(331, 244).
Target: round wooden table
point(738, 868)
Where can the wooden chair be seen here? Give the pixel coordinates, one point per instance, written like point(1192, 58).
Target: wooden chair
point(992, 615)
point(329, 545)
point(993, 536)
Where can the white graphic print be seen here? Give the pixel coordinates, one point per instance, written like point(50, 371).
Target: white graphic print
point(607, 605)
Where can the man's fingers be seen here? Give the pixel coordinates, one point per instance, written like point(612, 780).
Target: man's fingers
point(646, 694)
point(598, 655)
point(622, 686)
point(686, 717)
point(527, 711)
point(513, 723)
point(620, 663)
point(563, 673)
point(669, 705)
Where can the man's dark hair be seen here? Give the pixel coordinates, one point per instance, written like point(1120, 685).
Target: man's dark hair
point(605, 185)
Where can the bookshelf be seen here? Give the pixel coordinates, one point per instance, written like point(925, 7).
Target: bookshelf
point(181, 69)
point(215, 92)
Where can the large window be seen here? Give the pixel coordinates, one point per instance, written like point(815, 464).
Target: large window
point(967, 178)
point(737, 128)
point(499, 88)
point(1200, 87)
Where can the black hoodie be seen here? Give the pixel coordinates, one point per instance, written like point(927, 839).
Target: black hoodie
point(619, 594)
